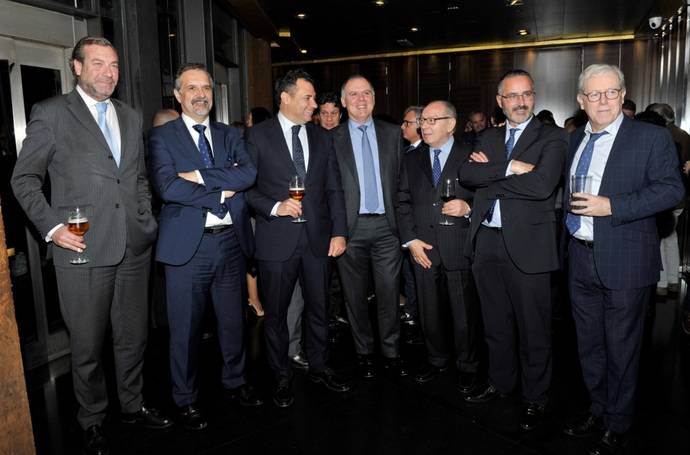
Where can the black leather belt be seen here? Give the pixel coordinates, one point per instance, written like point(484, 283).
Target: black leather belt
point(370, 215)
point(217, 229)
point(586, 243)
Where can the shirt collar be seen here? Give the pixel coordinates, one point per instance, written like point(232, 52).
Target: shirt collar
point(445, 148)
point(519, 126)
point(285, 123)
point(612, 128)
point(416, 143)
point(90, 102)
point(190, 122)
point(354, 125)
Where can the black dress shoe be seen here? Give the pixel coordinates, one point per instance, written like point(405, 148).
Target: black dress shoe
point(466, 383)
point(245, 395)
point(192, 418)
point(282, 397)
point(396, 366)
point(486, 394)
point(611, 443)
point(330, 379)
point(532, 416)
point(366, 365)
point(428, 373)
point(147, 418)
point(95, 442)
point(585, 426)
point(300, 361)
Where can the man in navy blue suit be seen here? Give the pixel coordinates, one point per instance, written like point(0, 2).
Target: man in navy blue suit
point(200, 170)
point(613, 250)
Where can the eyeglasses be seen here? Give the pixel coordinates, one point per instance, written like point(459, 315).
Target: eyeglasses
point(329, 114)
point(611, 94)
point(408, 122)
point(431, 120)
point(529, 94)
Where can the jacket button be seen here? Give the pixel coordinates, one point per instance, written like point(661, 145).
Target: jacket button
point(118, 181)
point(117, 206)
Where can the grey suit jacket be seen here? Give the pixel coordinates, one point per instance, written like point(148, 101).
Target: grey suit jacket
point(64, 140)
point(390, 145)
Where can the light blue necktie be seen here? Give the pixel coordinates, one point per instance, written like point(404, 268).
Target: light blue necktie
point(371, 197)
point(436, 169)
point(572, 221)
point(102, 107)
point(207, 158)
point(509, 149)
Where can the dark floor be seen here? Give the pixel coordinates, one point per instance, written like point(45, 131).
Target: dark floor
point(385, 415)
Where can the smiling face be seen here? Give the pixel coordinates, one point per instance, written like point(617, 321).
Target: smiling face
point(358, 99)
point(603, 112)
point(299, 104)
point(99, 72)
point(195, 94)
point(519, 109)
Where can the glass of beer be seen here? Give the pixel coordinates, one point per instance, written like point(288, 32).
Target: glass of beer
point(447, 194)
point(296, 191)
point(78, 224)
point(579, 184)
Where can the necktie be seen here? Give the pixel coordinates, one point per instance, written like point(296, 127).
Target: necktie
point(102, 107)
point(207, 158)
point(298, 152)
point(573, 221)
point(436, 168)
point(509, 149)
point(371, 198)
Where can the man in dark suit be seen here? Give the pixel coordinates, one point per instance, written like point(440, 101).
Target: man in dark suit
point(91, 147)
point(613, 251)
point(281, 148)
point(369, 154)
point(200, 170)
point(444, 281)
point(515, 170)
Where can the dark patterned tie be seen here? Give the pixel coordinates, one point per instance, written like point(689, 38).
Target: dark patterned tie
point(207, 158)
point(509, 149)
point(298, 152)
point(571, 220)
point(436, 168)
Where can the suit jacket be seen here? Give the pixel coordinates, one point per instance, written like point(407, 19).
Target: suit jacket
point(64, 140)
point(322, 206)
point(185, 204)
point(527, 201)
point(641, 178)
point(390, 147)
point(419, 206)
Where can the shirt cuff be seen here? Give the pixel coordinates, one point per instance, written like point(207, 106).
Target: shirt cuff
point(274, 210)
point(199, 178)
point(49, 236)
point(508, 170)
point(407, 244)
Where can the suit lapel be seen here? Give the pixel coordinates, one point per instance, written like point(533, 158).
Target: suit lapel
point(283, 152)
point(312, 158)
point(425, 162)
point(185, 138)
point(346, 153)
point(78, 108)
point(452, 163)
point(617, 156)
point(575, 141)
point(526, 139)
point(220, 152)
point(123, 123)
point(385, 156)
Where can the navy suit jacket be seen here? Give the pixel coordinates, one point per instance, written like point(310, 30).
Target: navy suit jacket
point(185, 204)
point(641, 178)
point(322, 206)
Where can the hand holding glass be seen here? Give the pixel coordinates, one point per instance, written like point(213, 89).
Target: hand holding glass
point(579, 184)
point(78, 224)
point(296, 192)
point(447, 194)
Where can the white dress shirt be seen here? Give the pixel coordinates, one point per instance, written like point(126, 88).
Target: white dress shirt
point(286, 126)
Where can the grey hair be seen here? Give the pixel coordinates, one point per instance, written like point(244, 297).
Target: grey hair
point(664, 110)
point(596, 69)
point(514, 73)
point(417, 111)
point(352, 78)
point(189, 67)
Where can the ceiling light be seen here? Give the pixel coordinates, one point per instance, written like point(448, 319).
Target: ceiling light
point(453, 5)
point(414, 29)
point(284, 33)
point(379, 2)
point(514, 2)
point(301, 16)
point(523, 32)
point(274, 44)
point(171, 35)
point(303, 51)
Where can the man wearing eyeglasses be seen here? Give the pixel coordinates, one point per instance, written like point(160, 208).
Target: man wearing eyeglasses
point(613, 252)
point(515, 170)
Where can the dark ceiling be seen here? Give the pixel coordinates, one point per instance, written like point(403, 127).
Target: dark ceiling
point(337, 28)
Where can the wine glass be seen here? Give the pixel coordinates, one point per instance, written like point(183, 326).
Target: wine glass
point(296, 191)
point(78, 224)
point(447, 194)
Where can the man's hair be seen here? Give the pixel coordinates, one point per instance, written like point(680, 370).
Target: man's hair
point(328, 97)
point(417, 111)
point(629, 105)
point(513, 73)
point(288, 82)
point(352, 78)
point(189, 67)
point(596, 69)
point(78, 51)
point(472, 113)
point(664, 110)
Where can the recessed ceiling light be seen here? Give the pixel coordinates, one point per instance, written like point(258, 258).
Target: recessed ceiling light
point(453, 5)
point(514, 2)
point(379, 2)
point(274, 44)
point(523, 32)
point(284, 33)
point(301, 16)
point(303, 51)
point(414, 29)
point(171, 35)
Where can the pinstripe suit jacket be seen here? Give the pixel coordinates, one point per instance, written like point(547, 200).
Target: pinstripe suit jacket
point(641, 178)
point(64, 141)
point(419, 206)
